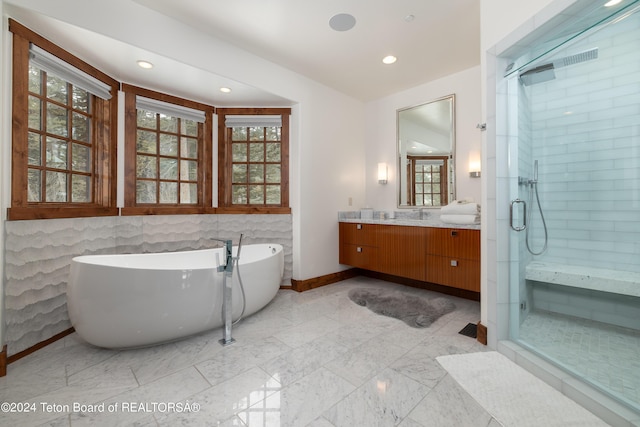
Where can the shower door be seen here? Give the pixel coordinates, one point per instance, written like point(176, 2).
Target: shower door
point(574, 156)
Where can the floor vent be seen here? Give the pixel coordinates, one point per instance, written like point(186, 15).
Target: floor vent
point(471, 330)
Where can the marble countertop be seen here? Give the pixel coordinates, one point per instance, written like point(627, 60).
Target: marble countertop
point(429, 222)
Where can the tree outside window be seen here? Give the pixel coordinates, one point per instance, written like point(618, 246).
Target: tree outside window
point(167, 154)
point(253, 159)
point(63, 154)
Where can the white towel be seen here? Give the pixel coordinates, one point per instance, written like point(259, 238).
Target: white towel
point(460, 219)
point(458, 207)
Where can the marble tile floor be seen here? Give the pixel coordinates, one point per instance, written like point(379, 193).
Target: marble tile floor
point(308, 359)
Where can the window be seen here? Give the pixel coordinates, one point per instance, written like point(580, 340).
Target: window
point(429, 183)
point(63, 162)
point(253, 160)
point(167, 153)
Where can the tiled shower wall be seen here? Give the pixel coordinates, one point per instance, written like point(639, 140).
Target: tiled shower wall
point(525, 171)
point(38, 255)
point(586, 136)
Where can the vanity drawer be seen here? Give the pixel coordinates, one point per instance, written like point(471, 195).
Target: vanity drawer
point(456, 272)
point(358, 234)
point(358, 256)
point(453, 242)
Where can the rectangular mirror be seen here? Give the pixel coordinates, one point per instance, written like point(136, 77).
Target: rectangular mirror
point(426, 154)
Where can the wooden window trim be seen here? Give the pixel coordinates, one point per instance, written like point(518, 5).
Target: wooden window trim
point(105, 160)
point(225, 163)
point(205, 175)
point(444, 179)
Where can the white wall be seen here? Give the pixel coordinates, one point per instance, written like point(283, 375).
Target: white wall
point(498, 18)
point(380, 134)
point(327, 166)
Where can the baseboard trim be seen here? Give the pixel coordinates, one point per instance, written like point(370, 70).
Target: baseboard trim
point(4, 360)
point(482, 334)
point(448, 290)
point(327, 279)
point(306, 285)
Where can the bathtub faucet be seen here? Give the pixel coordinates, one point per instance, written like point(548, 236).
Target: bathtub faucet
point(228, 266)
point(227, 283)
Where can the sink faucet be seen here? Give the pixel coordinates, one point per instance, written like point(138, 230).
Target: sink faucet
point(423, 213)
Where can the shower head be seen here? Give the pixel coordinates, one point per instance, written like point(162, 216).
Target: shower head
point(544, 73)
point(587, 55)
point(539, 74)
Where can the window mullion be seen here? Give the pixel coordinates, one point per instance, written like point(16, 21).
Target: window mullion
point(264, 166)
point(69, 139)
point(157, 177)
point(179, 163)
point(44, 106)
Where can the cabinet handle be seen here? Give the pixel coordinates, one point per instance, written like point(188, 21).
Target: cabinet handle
point(454, 233)
point(358, 226)
point(358, 249)
point(454, 263)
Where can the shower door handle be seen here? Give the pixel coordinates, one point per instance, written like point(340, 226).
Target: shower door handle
point(524, 214)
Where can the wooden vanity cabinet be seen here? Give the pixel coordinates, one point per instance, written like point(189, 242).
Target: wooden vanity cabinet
point(401, 251)
point(444, 256)
point(453, 258)
point(359, 245)
point(386, 249)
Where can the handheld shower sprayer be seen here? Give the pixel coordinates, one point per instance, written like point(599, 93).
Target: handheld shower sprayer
point(533, 188)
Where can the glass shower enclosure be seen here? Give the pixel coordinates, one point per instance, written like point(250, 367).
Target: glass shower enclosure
point(574, 152)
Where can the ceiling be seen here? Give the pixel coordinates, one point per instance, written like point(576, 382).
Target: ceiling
point(431, 39)
point(442, 38)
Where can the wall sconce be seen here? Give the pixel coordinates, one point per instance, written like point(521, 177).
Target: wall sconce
point(382, 173)
point(474, 164)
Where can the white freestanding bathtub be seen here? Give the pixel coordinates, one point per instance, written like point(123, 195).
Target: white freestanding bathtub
point(123, 301)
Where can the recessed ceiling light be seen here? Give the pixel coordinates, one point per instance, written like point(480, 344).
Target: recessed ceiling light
point(390, 59)
point(342, 22)
point(612, 3)
point(145, 64)
point(225, 89)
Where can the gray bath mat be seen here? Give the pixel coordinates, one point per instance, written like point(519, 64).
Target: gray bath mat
point(415, 311)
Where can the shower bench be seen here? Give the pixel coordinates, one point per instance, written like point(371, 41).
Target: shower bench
point(595, 279)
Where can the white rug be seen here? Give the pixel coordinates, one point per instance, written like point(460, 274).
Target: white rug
point(513, 396)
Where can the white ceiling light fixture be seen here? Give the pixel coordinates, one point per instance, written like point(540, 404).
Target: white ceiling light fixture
point(144, 64)
point(389, 59)
point(225, 89)
point(342, 22)
point(612, 3)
